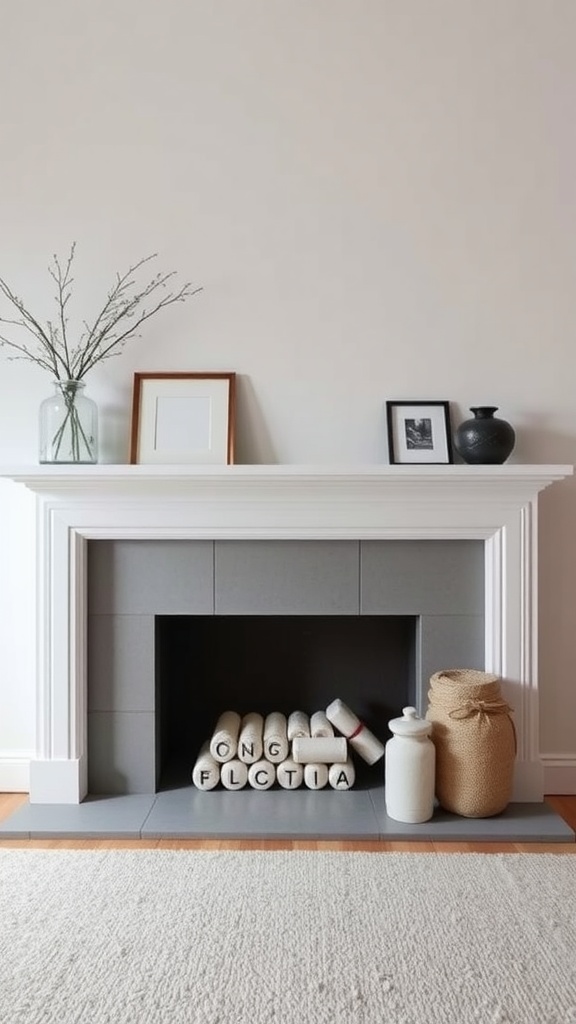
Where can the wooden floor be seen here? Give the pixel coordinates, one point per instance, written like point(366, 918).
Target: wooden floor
point(565, 806)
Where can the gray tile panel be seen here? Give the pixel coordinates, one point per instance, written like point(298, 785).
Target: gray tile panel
point(151, 577)
point(121, 662)
point(287, 577)
point(422, 577)
point(95, 818)
point(446, 642)
point(121, 752)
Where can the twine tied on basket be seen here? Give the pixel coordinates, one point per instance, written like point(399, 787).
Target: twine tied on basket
point(474, 706)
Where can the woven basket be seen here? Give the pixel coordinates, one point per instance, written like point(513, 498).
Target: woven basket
point(475, 742)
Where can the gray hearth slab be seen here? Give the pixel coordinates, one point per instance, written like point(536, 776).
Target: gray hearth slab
point(118, 817)
point(519, 823)
point(272, 814)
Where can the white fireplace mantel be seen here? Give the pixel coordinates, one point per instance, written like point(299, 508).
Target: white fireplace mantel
point(496, 504)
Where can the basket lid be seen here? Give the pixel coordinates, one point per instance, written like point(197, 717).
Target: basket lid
point(410, 724)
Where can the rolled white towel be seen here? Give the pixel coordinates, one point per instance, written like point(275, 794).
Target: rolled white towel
point(276, 747)
point(319, 749)
point(319, 725)
point(250, 738)
point(224, 742)
point(206, 771)
point(316, 775)
point(289, 774)
point(298, 725)
point(261, 775)
point(234, 774)
point(342, 776)
point(360, 738)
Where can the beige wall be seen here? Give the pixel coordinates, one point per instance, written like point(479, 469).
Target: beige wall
point(377, 197)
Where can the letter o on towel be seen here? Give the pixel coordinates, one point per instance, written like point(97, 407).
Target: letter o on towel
point(224, 742)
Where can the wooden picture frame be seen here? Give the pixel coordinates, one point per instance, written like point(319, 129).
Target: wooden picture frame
point(183, 418)
point(419, 433)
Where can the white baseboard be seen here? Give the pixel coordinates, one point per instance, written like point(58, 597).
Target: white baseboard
point(559, 774)
point(58, 781)
point(15, 772)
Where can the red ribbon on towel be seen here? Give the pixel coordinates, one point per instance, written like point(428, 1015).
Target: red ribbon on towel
point(358, 729)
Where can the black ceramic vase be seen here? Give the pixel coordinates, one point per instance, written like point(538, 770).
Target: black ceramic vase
point(485, 439)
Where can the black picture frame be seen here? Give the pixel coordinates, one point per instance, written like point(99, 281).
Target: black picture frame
point(419, 433)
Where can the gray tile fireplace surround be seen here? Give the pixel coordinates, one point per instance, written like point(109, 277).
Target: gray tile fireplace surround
point(439, 583)
point(130, 583)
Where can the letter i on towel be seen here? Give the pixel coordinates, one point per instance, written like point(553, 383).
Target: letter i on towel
point(315, 776)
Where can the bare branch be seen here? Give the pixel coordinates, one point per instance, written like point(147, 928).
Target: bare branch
point(26, 354)
point(119, 341)
point(64, 284)
point(108, 338)
point(123, 312)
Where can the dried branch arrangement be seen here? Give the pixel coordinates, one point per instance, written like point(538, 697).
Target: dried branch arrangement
point(126, 308)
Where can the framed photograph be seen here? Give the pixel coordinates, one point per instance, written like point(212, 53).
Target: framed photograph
point(419, 432)
point(183, 418)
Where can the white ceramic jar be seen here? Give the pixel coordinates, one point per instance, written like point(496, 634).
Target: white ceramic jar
point(410, 759)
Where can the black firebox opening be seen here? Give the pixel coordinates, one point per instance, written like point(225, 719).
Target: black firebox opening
point(209, 664)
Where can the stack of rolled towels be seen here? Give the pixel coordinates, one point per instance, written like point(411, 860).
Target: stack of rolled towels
point(290, 750)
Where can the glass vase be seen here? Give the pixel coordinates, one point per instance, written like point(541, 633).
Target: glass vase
point(68, 425)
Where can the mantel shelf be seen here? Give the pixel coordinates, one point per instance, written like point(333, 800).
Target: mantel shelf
point(116, 470)
point(518, 480)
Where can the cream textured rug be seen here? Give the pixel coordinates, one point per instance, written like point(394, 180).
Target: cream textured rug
point(164, 937)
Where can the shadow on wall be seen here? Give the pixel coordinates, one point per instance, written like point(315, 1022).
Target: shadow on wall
point(253, 442)
point(536, 444)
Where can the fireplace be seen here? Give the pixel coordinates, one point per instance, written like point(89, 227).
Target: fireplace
point(495, 506)
point(180, 631)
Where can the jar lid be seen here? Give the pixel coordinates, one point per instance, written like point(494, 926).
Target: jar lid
point(410, 724)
